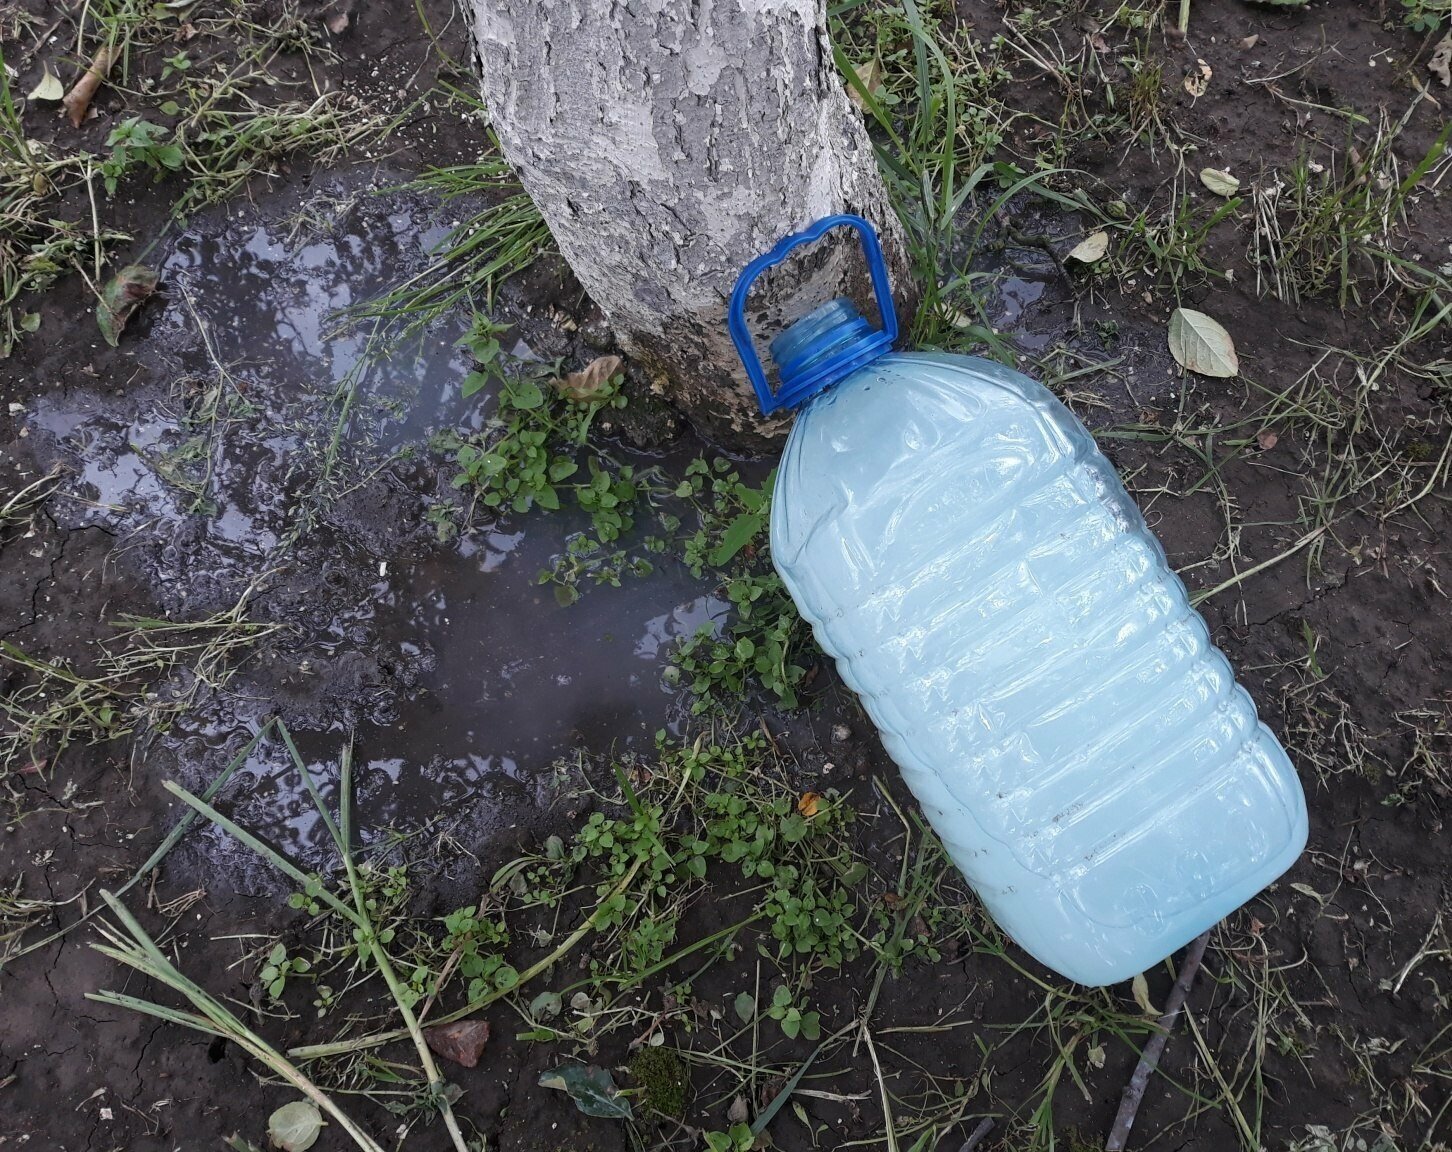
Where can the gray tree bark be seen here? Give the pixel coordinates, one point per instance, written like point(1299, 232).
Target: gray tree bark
point(667, 142)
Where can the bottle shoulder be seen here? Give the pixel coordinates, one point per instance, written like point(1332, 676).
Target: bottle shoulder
point(917, 411)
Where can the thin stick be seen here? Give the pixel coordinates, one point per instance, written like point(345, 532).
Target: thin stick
point(978, 1135)
point(1150, 1059)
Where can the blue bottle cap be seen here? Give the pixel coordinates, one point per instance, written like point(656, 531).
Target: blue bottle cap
point(828, 344)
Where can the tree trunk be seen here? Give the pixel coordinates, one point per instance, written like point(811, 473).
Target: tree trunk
point(666, 143)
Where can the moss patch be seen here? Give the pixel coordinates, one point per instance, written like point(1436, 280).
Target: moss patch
point(662, 1073)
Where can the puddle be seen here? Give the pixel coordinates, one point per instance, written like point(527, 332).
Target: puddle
point(460, 677)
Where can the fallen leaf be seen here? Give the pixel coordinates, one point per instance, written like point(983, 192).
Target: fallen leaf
point(745, 1005)
point(1219, 181)
point(1250, 41)
point(121, 298)
point(546, 1006)
point(739, 1112)
point(1267, 438)
point(1199, 344)
point(1091, 248)
point(591, 380)
point(337, 22)
point(462, 1041)
point(1198, 81)
point(870, 77)
point(294, 1127)
point(49, 88)
point(1440, 65)
point(591, 1088)
point(1140, 987)
point(809, 804)
point(78, 100)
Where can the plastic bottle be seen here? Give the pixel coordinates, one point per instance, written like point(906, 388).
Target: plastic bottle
point(994, 596)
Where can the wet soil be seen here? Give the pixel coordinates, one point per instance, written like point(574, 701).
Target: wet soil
point(464, 685)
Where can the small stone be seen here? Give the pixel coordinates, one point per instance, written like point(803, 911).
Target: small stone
point(462, 1042)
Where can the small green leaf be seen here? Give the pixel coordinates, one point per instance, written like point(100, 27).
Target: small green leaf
point(525, 394)
point(737, 535)
point(545, 1006)
point(745, 1006)
point(294, 1127)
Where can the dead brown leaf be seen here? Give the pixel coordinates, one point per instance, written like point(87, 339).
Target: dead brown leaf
point(462, 1042)
point(1197, 83)
point(870, 76)
point(810, 804)
point(1250, 41)
point(1267, 438)
point(78, 100)
point(1440, 65)
point(128, 290)
point(337, 22)
point(591, 380)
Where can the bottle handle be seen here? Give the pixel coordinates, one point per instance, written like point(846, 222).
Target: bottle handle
point(736, 314)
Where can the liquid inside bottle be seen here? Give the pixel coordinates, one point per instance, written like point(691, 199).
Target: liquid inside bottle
point(986, 585)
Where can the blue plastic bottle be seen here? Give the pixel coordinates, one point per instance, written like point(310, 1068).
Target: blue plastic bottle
point(993, 595)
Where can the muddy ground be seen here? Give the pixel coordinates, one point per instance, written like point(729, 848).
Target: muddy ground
point(463, 684)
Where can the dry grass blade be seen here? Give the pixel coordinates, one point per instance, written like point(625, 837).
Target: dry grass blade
point(133, 947)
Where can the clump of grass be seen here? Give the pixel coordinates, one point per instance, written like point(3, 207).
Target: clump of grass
point(149, 673)
point(211, 130)
point(536, 449)
point(475, 256)
point(22, 504)
point(1329, 228)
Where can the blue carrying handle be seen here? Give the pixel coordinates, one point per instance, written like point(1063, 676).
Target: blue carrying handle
point(736, 315)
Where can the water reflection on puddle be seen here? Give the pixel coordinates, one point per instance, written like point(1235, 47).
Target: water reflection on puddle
point(501, 680)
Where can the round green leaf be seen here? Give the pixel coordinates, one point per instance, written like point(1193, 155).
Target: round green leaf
point(294, 1127)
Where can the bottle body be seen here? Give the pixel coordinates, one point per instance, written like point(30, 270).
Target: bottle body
point(989, 589)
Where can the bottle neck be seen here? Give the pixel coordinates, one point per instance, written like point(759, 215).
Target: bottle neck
point(822, 348)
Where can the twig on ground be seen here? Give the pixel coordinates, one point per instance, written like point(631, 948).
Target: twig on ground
point(978, 1135)
point(1150, 1058)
